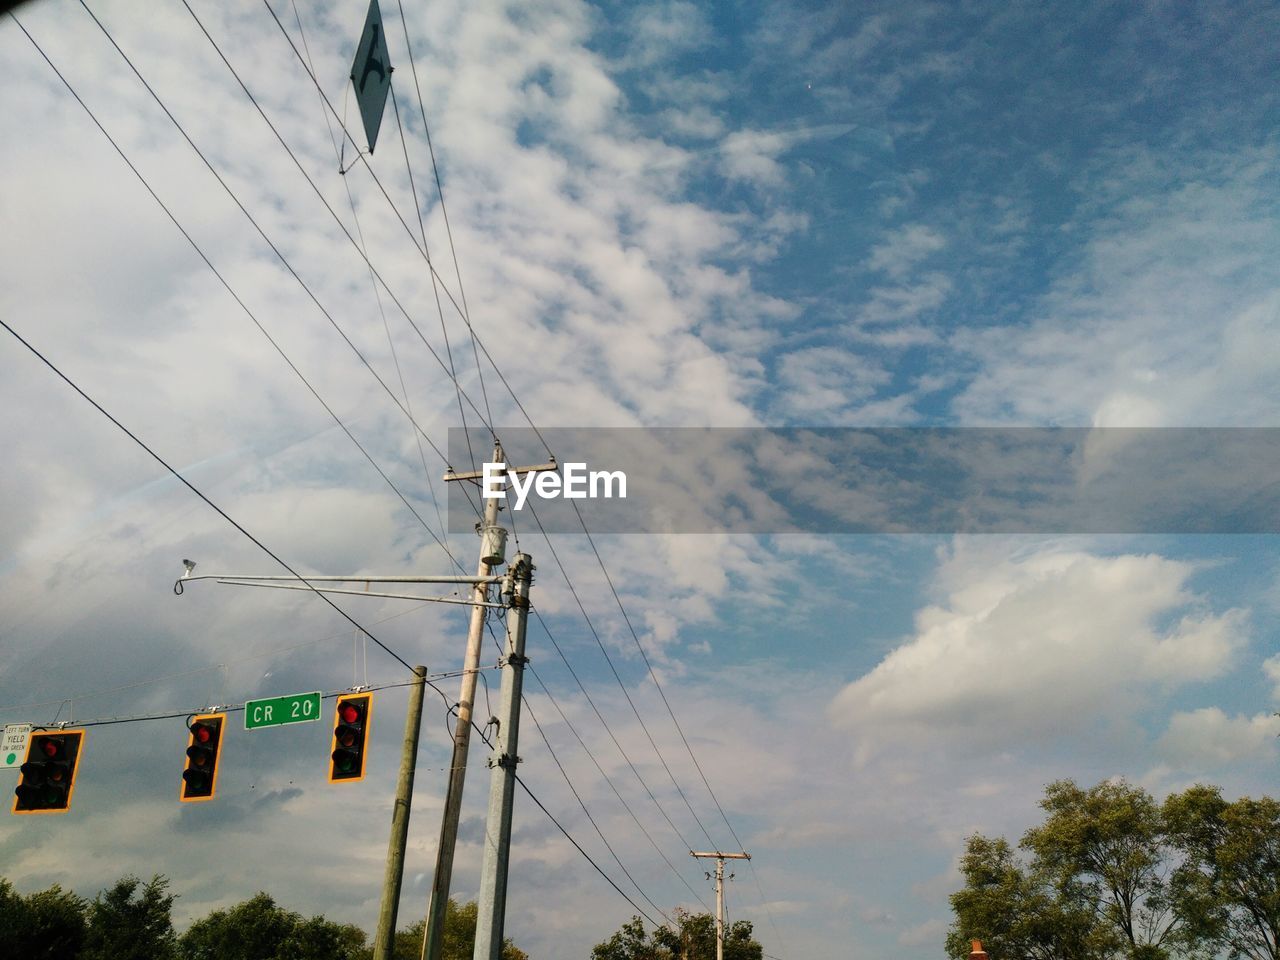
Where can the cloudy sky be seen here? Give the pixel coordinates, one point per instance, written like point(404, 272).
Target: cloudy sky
point(665, 214)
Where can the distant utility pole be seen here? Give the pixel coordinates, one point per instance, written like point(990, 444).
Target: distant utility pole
point(492, 908)
point(720, 858)
point(493, 539)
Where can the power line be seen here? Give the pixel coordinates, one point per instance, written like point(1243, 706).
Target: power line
point(239, 708)
point(612, 786)
point(407, 412)
point(403, 223)
point(419, 432)
point(373, 282)
point(583, 805)
point(617, 677)
point(187, 483)
point(683, 739)
point(92, 694)
point(435, 286)
point(444, 211)
point(434, 274)
point(261, 232)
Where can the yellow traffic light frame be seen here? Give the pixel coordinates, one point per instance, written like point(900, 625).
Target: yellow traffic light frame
point(75, 766)
point(217, 756)
point(337, 722)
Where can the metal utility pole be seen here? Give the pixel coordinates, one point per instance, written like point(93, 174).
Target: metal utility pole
point(720, 858)
point(492, 553)
point(492, 907)
point(384, 938)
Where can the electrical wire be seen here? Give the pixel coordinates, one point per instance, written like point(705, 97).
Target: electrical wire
point(261, 232)
point(582, 803)
point(462, 312)
point(225, 283)
point(373, 282)
point(607, 779)
point(435, 286)
point(617, 677)
point(444, 210)
point(239, 708)
point(189, 485)
point(409, 230)
point(679, 729)
point(408, 413)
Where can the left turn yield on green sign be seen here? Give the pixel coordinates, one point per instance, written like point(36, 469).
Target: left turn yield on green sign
point(13, 745)
point(277, 711)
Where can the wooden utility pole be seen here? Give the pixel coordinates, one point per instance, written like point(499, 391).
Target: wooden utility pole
point(493, 540)
point(384, 938)
point(720, 858)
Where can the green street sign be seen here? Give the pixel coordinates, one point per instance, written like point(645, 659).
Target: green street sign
point(277, 711)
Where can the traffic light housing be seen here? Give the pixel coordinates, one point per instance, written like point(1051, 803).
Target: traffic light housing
point(49, 773)
point(200, 778)
point(350, 734)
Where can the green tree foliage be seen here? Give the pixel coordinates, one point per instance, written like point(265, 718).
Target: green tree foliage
point(1019, 911)
point(132, 921)
point(1113, 875)
point(459, 936)
point(257, 929)
point(48, 925)
point(1228, 885)
point(1106, 847)
point(124, 927)
point(692, 938)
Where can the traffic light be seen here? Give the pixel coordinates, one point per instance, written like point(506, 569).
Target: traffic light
point(351, 732)
point(49, 773)
point(201, 776)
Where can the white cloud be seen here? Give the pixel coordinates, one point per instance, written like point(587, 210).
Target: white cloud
point(1208, 738)
point(905, 247)
point(1271, 668)
point(1166, 316)
point(1037, 646)
point(819, 384)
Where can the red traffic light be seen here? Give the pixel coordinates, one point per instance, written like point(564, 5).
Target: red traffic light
point(200, 778)
point(350, 736)
point(49, 773)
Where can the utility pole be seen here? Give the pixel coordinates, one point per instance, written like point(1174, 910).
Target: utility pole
point(720, 858)
point(492, 907)
point(384, 938)
point(492, 553)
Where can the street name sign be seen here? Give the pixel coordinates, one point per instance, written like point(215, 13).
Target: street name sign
point(277, 711)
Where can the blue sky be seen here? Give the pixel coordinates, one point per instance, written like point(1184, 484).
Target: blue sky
point(668, 214)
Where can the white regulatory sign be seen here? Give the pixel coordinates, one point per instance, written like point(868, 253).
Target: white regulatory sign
point(13, 745)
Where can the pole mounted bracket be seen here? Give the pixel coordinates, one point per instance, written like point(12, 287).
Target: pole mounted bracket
point(506, 761)
point(514, 660)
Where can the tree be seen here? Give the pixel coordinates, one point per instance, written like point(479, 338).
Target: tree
point(123, 928)
point(257, 929)
point(459, 936)
point(48, 925)
point(1107, 845)
point(1017, 912)
point(1227, 888)
point(1113, 875)
point(692, 938)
